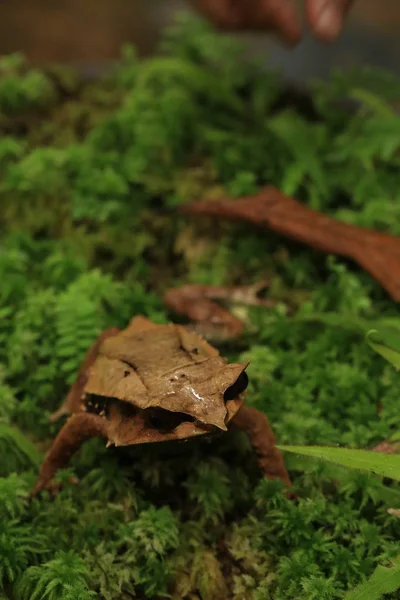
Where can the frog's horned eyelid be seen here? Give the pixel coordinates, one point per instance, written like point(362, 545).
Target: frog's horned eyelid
point(240, 385)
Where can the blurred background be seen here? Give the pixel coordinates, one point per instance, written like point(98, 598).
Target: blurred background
point(89, 34)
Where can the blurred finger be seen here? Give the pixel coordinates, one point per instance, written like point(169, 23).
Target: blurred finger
point(223, 13)
point(327, 17)
point(283, 18)
point(277, 15)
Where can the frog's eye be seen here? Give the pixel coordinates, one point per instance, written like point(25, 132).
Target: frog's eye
point(238, 387)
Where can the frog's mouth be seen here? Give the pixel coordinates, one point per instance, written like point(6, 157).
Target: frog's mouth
point(128, 425)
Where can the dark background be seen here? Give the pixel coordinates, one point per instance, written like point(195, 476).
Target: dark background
point(90, 33)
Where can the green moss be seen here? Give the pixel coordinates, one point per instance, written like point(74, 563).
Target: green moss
point(91, 174)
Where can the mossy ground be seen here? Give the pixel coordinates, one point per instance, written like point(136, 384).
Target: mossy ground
point(91, 175)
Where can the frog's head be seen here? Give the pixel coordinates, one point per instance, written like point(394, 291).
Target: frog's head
point(163, 396)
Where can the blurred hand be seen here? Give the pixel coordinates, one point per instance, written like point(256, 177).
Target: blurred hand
point(325, 17)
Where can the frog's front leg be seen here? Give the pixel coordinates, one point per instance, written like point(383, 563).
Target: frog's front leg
point(256, 425)
point(198, 303)
point(73, 399)
point(79, 428)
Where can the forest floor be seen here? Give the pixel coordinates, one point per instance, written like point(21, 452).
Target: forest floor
point(92, 177)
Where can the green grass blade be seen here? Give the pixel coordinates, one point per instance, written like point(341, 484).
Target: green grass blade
point(22, 444)
point(387, 344)
point(386, 465)
point(385, 325)
point(384, 580)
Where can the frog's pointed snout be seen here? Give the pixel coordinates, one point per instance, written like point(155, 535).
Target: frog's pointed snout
point(218, 418)
point(221, 426)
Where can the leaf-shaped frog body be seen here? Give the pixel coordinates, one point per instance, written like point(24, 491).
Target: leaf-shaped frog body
point(143, 375)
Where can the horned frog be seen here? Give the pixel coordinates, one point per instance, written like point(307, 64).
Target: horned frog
point(155, 383)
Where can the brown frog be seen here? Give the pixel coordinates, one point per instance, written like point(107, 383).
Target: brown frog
point(155, 383)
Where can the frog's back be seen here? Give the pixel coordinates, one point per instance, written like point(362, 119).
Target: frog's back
point(163, 366)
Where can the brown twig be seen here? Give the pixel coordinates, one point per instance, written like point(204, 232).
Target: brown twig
point(386, 448)
point(199, 303)
point(378, 253)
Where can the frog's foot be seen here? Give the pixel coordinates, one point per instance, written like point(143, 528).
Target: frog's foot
point(54, 487)
point(210, 319)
